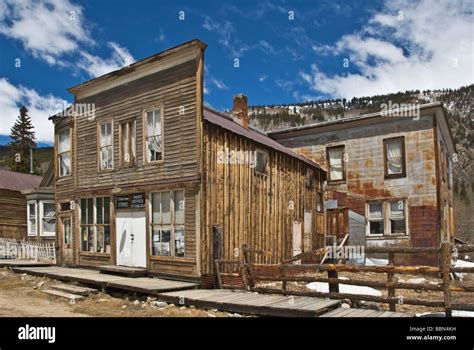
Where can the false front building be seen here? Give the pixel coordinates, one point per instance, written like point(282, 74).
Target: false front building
point(145, 174)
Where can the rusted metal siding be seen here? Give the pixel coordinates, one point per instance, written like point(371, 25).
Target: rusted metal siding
point(365, 177)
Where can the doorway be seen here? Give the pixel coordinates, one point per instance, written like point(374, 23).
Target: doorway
point(131, 238)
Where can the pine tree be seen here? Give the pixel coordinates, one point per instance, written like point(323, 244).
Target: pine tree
point(23, 137)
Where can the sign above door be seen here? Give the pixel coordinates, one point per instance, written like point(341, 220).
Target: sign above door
point(130, 201)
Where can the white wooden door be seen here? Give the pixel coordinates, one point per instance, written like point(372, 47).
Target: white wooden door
point(131, 238)
point(296, 237)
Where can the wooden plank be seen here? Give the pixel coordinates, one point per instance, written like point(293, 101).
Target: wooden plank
point(74, 289)
point(334, 313)
point(57, 293)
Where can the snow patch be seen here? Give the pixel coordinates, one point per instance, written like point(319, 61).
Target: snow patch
point(344, 288)
point(375, 262)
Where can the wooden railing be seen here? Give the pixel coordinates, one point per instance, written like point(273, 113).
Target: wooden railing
point(251, 275)
point(27, 250)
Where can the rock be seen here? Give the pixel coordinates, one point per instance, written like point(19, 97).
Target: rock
point(192, 307)
point(345, 306)
point(182, 308)
point(124, 306)
point(136, 302)
point(41, 283)
point(160, 304)
point(211, 315)
point(372, 306)
point(101, 300)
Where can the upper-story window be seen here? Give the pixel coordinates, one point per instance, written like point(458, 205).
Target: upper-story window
point(128, 152)
point(105, 146)
point(394, 157)
point(335, 159)
point(64, 152)
point(261, 158)
point(154, 139)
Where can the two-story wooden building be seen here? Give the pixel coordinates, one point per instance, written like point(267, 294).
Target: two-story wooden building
point(393, 169)
point(145, 179)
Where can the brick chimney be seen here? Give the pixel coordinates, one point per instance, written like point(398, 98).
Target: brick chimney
point(240, 110)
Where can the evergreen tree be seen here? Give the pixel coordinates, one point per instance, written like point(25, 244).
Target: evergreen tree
point(23, 137)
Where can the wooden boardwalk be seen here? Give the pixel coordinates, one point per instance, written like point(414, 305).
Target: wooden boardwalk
point(251, 303)
point(23, 263)
point(342, 312)
point(145, 285)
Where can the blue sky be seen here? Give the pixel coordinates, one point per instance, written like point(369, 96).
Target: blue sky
point(288, 51)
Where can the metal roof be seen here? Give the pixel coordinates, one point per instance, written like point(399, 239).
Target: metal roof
point(10, 180)
point(226, 122)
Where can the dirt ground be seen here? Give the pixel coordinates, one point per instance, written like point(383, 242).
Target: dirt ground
point(21, 295)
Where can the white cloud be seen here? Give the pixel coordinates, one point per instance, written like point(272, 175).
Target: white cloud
point(227, 36)
point(40, 107)
point(262, 78)
point(48, 29)
point(96, 66)
point(428, 45)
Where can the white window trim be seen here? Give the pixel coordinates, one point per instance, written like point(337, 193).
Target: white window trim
point(386, 219)
point(30, 234)
point(43, 233)
point(367, 226)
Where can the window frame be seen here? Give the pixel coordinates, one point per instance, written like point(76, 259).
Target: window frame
point(41, 213)
point(94, 225)
point(59, 154)
point(266, 155)
point(320, 199)
point(99, 147)
point(67, 245)
point(145, 133)
point(385, 159)
point(367, 215)
point(386, 219)
point(29, 233)
point(343, 163)
point(131, 144)
point(172, 224)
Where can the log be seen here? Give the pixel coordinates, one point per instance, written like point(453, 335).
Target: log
point(446, 261)
point(401, 250)
point(361, 297)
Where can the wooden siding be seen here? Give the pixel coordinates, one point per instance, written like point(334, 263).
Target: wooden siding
point(250, 208)
point(12, 214)
point(172, 88)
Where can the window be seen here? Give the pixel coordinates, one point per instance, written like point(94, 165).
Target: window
point(387, 218)
point(168, 223)
point(309, 178)
point(64, 152)
point(48, 218)
point(95, 225)
point(397, 217)
point(394, 157)
point(376, 224)
point(154, 142)
point(450, 173)
point(67, 231)
point(31, 209)
point(319, 202)
point(127, 144)
point(335, 159)
point(105, 146)
point(261, 157)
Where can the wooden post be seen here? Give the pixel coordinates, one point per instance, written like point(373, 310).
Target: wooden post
point(247, 263)
point(446, 265)
point(391, 279)
point(218, 273)
point(216, 250)
point(333, 287)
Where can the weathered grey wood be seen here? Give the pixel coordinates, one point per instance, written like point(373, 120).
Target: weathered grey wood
point(123, 270)
point(84, 291)
point(69, 296)
point(252, 303)
point(94, 277)
point(351, 312)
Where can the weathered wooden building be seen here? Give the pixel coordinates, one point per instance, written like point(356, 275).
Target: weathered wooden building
point(13, 209)
point(392, 168)
point(146, 178)
point(41, 210)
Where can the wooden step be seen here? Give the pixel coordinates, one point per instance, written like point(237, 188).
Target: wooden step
point(69, 296)
point(123, 270)
point(74, 289)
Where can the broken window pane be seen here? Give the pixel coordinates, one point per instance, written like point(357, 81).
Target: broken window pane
point(336, 163)
point(394, 157)
point(397, 217)
point(376, 226)
point(261, 161)
point(154, 141)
